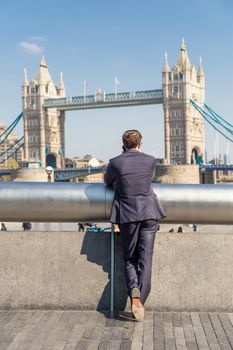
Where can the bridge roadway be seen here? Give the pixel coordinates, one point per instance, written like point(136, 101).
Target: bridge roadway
point(64, 174)
point(70, 330)
point(121, 99)
point(69, 173)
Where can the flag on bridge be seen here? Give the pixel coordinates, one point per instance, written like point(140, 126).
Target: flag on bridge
point(116, 83)
point(85, 84)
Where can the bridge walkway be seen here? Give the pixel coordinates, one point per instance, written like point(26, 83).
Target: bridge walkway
point(69, 330)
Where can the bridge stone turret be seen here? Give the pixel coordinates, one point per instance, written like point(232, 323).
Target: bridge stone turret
point(183, 126)
point(43, 128)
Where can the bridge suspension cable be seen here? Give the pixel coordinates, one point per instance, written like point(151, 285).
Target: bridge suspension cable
point(14, 151)
point(211, 117)
point(217, 116)
point(10, 128)
point(12, 146)
point(4, 136)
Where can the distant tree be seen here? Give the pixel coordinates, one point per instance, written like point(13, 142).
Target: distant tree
point(87, 156)
point(12, 164)
point(81, 179)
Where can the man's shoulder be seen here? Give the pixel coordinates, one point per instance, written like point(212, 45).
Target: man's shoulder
point(123, 156)
point(116, 159)
point(147, 156)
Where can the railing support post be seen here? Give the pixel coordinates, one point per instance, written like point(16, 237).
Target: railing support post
point(112, 272)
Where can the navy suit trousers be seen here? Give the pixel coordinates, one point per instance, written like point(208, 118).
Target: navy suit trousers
point(138, 244)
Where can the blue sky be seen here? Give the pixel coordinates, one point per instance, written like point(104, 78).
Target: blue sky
point(98, 40)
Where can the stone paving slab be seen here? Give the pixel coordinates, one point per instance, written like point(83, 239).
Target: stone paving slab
point(91, 330)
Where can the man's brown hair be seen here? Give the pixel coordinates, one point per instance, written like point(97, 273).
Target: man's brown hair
point(131, 138)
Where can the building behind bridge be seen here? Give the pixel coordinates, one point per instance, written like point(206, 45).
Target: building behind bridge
point(10, 142)
point(83, 162)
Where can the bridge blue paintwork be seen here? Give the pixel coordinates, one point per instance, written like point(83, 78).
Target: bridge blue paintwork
point(67, 174)
point(64, 174)
point(4, 172)
point(216, 167)
point(121, 99)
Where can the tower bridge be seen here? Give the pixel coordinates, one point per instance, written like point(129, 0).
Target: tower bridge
point(45, 105)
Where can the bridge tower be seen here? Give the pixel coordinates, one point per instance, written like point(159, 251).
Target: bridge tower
point(43, 127)
point(183, 125)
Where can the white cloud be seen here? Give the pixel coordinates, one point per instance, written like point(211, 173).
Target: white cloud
point(30, 47)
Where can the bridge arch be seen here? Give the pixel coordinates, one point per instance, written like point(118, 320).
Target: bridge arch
point(196, 156)
point(51, 160)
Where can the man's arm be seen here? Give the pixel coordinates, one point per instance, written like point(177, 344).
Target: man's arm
point(109, 176)
point(153, 175)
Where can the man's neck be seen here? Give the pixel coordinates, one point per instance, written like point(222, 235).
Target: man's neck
point(133, 149)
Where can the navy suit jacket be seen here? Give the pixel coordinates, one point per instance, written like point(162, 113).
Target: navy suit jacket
point(131, 173)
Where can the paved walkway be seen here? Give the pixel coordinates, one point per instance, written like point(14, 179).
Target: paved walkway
point(69, 330)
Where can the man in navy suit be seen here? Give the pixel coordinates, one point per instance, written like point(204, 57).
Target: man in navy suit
point(136, 210)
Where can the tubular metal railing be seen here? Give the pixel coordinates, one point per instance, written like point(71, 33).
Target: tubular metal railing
point(73, 202)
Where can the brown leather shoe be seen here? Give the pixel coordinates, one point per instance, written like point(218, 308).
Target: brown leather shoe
point(137, 309)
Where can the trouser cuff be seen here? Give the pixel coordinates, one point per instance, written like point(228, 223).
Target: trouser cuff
point(135, 293)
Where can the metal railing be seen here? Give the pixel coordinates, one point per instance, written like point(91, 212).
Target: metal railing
point(73, 202)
